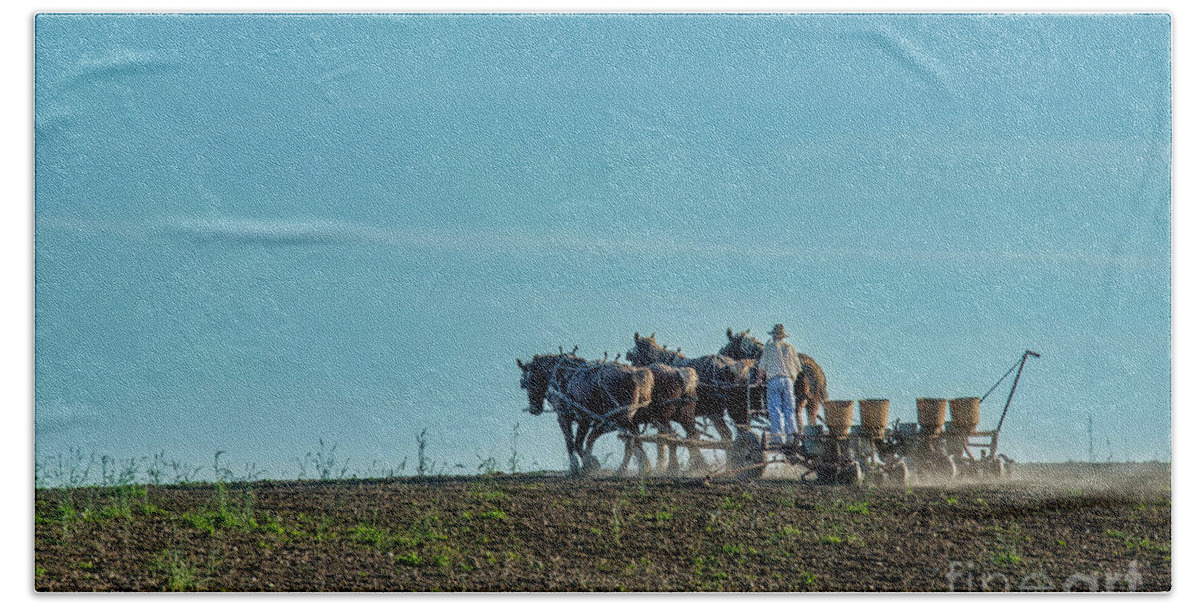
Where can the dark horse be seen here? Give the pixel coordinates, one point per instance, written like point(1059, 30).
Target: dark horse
point(597, 397)
point(722, 386)
point(810, 386)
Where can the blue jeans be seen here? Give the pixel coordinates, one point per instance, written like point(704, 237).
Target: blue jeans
point(781, 406)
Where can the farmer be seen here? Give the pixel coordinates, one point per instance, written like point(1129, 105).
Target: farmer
point(778, 366)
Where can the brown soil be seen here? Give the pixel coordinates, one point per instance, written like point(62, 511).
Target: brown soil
point(546, 533)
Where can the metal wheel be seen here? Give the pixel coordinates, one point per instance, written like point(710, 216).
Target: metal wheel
point(826, 476)
point(851, 475)
point(996, 468)
point(875, 477)
point(938, 467)
point(745, 451)
point(1008, 465)
point(946, 468)
point(899, 475)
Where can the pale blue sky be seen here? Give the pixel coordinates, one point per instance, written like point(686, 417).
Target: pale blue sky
point(254, 231)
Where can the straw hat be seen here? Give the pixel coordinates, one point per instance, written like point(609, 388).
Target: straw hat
point(778, 332)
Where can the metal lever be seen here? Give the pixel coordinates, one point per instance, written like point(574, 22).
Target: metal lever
point(1021, 367)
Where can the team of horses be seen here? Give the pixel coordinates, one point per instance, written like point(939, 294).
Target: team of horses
point(656, 386)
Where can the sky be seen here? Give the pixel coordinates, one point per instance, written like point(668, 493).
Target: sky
point(255, 233)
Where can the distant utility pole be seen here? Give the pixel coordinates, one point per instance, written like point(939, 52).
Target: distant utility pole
point(1108, 444)
point(1091, 444)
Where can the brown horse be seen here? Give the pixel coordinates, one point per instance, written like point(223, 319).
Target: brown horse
point(597, 397)
point(810, 386)
point(722, 381)
point(673, 400)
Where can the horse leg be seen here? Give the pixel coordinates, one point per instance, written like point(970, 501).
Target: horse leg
point(810, 407)
point(663, 454)
point(722, 428)
point(643, 459)
point(676, 411)
point(564, 422)
point(687, 420)
point(808, 393)
point(711, 407)
point(583, 445)
point(660, 459)
point(594, 431)
point(631, 433)
point(738, 412)
point(632, 443)
point(625, 460)
point(633, 447)
point(580, 434)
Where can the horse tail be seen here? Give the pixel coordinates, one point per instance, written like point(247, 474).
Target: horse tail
point(814, 381)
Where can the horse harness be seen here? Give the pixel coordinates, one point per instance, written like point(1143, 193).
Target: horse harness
point(560, 396)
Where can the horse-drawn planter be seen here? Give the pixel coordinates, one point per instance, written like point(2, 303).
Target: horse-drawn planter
point(877, 453)
point(592, 398)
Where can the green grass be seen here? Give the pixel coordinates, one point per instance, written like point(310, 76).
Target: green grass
point(222, 515)
point(807, 581)
point(211, 521)
point(707, 568)
point(861, 508)
point(659, 517)
point(149, 509)
point(1007, 551)
point(618, 520)
point(68, 515)
point(1136, 542)
point(180, 575)
point(423, 542)
point(734, 503)
point(789, 531)
point(1005, 557)
point(494, 514)
point(272, 525)
point(99, 505)
point(368, 535)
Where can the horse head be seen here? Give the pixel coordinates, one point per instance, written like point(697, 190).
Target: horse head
point(535, 381)
point(646, 351)
point(741, 345)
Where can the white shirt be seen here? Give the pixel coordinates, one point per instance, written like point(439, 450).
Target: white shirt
point(779, 359)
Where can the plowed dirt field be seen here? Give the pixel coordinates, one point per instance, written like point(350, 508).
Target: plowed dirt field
point(1053, 527)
